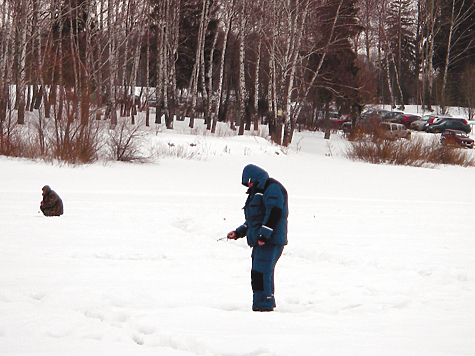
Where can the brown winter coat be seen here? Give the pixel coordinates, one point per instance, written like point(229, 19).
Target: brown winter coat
point(51, 205)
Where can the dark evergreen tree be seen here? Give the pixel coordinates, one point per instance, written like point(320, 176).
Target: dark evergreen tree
point(339, 79)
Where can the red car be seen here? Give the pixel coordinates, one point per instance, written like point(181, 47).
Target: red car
point(456, 138)
point(405, 119)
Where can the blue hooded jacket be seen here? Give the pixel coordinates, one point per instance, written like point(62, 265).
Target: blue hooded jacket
point(266, 209)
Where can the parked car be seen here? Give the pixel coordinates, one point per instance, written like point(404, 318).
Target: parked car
point(390, 115)
point(439, 120)
point(373, 113)
point(456, 138)
point(405, 119)
point(436, 120)
point(335, 120)
point(421, 123)
point(394, 131)
point(335, 123)
point(361, 126)
point(449, 125)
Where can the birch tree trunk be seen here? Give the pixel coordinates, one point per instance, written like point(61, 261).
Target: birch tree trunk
point(429, 16)
point(5, 69)
point(147, 76)
point(193, 91)
point(22, 13)
point(113, 64)
point(242, 97)
point(388, 55)
point(88, 73)
point(166, 83)
point(76, 87)
point(390, 83)
point(204, 89)
point(173, 40)
point(210, 96)
point(139, 33)
point(256, 77)
point(161, 48)
point(43, 93)
point(460, 40)
point(447, 59)
point(5, 43)
point(228, 17)
point(35, 61)
point(167, 63)
point(275, 129)
point(293, 58)
point(59, 111)
point(125, 105)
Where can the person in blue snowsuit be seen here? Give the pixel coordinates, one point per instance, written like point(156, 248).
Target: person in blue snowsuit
point(266, 211)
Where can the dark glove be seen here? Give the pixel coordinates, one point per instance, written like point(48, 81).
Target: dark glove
point(262, 240)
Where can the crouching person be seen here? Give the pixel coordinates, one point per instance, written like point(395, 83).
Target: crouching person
point(51, 205)
point(266, 212)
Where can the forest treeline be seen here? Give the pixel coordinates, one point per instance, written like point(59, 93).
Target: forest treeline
point(278, 62)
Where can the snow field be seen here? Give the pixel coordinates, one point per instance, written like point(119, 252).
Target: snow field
point(379, 262)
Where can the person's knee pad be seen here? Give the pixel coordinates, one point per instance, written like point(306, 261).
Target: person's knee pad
point(257, 281)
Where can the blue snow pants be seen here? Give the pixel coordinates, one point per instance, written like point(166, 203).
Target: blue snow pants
point(264, 259)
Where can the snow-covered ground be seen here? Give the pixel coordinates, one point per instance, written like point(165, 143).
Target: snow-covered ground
point(380, 258)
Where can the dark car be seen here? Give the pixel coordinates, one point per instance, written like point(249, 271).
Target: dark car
point(374, 113)
point(438, 119)
point(405, 119)
point(427, 120)
point(449, 125)
point(456, 138)
point(390, 115)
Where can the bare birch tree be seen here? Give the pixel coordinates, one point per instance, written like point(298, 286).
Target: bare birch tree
point(458, 36)
point(170, 48)
point(5, 61)
point(429, 10)
point(112, 64)
point(367, 19)
point(199, 57)
point(21, 21)
point(242, 91)
point(227, 14)
point(209, 79)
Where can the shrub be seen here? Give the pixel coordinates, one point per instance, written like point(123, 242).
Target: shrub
point(51, 139)
point(416, 152)
point(70, 141)
point(125, 142)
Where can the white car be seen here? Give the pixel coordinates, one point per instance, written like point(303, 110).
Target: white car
point(393, 131)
